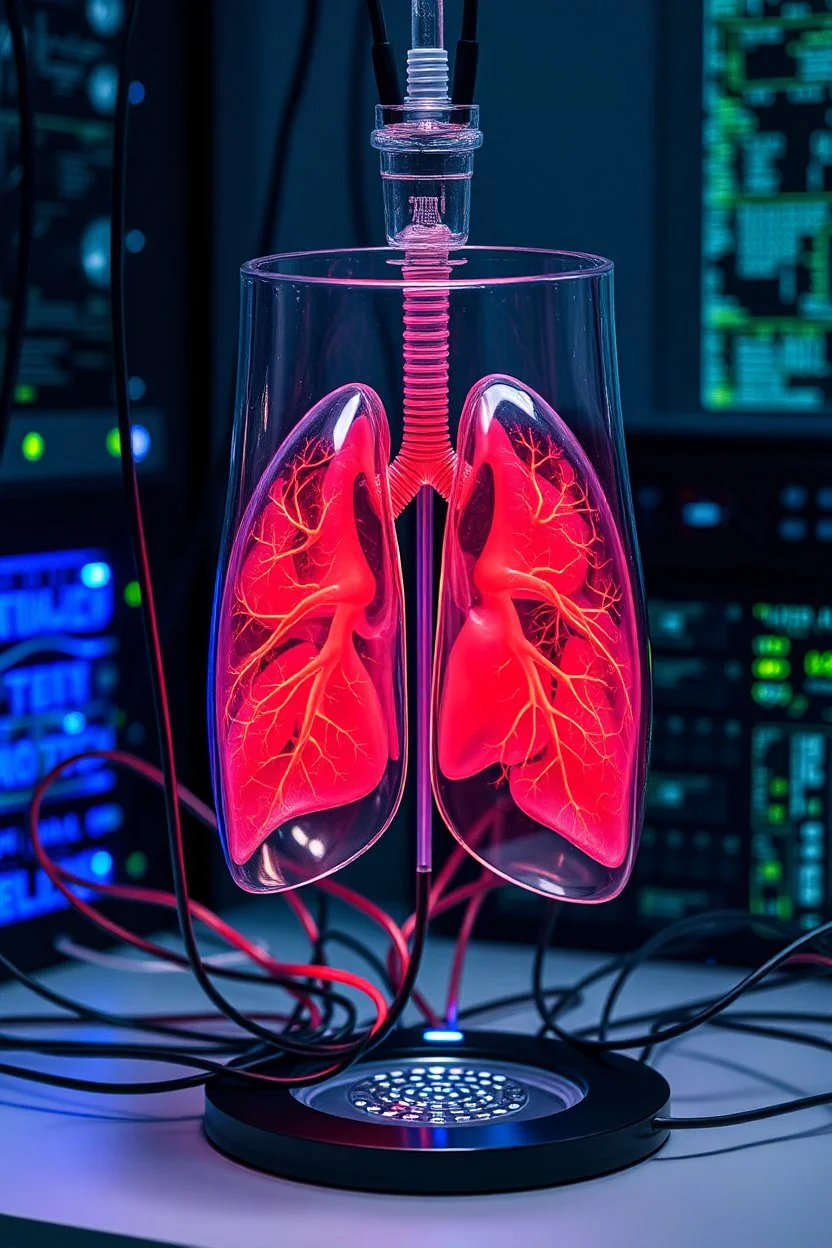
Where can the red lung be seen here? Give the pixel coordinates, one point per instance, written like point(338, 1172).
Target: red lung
point(537, 674)
point(310, 691)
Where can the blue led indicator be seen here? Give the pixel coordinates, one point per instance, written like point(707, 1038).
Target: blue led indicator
point(74, 722)
point(101, 863)
point(96, 575)
point(441, 1035)
point(134, 241)
point(140, 439)
point(136, 92)
point(702, 514)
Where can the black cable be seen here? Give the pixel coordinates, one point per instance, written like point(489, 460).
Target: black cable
point(384, 61)
point(212, 1069)
point(716, 1007)
point(158, 682)
point(470, 17)
point(764, 1111)
point(356, 146)
point(201, 527)
point(16, 325)
point(91, 1014)
point(295, 92)
point(378, 26)
point(744, 1116)
point(467, 56)
point(699, 925)
point(336, 937)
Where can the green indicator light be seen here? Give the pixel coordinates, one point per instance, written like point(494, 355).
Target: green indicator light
point(760, 610)
point(818, 663)
point(114, 443)
point(771, 871)
point(25, 394)
point(771, 668)
point(784, 907)
point(768, 645)
point(814, 807)
point(136, 864)
point(133, 594)
point(779, 787)
point(777, 813)
point(720, 396)
point(32, 447)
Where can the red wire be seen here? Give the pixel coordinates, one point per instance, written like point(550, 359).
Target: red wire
point(61, 878)
point(463, 938)
point(815, 959)
point(399, 946)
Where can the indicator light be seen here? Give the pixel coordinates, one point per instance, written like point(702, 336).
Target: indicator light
point(133, 594)
point(140, 441)
point(136, 864)
point(96, 575)
point(33, 446)
point(442, 1035)
point(771, 668)
point(114, 443)
point(101, 862)
point(771, 645)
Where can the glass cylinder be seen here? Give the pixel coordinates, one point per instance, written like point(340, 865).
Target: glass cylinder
point(488, 375)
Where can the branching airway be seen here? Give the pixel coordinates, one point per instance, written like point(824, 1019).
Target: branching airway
point(547, 626)
point(306, 705)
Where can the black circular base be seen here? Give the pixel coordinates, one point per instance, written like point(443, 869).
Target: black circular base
point(489, 1112)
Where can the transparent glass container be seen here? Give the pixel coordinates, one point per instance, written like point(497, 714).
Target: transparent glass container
point(502, 396)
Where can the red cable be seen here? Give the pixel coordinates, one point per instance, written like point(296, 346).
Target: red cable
point(465, 932)
point(369, 908)
point(61, 878)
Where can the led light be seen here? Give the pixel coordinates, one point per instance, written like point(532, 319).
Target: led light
point(74, 722)
point(441, 1035)
point(133, 594)
point(32, 446)
point(96, 575)
point(134, 241)
point(136, 864)
point(771, 668)
point(114, 443)
point(136, 388)
point(702, 513)
point(136, 92)
point(24, 393)
point(101, 862)
point(140, 441)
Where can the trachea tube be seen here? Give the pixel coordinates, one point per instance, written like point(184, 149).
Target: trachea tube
point(426, 456)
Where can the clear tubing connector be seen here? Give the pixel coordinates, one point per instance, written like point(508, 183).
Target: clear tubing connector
point(426, 150)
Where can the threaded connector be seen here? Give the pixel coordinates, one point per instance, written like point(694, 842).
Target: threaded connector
point(427, 74)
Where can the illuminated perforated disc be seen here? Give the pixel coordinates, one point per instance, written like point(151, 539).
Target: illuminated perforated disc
point(441, 1111)
point(439, 1095)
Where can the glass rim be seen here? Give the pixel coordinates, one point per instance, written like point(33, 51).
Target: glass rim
point(586, 266)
